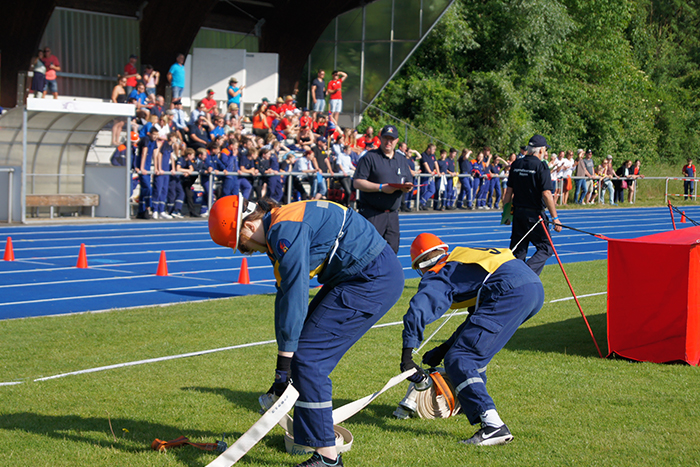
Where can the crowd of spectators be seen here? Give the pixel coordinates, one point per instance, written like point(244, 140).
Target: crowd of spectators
point(282, 146)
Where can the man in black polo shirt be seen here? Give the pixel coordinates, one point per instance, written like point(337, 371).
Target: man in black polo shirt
point(529, 187)
point(379, 202)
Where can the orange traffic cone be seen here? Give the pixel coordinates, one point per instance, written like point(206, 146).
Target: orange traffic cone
point(9, 252)
point(82, 258)
point(162, 265)
point(243, 277)
point(682, 217)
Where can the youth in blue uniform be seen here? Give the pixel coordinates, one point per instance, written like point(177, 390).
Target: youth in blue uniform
point(246, 164)
point(142, 164)
point(207, 162)
point(479, 186)
point(228, 165)
point(504, 293)
point(450, 172)
point(494, 190)
point(362, 279)
point(176, 194)
point(428, 166)
point(465, 197)
point(271, 174)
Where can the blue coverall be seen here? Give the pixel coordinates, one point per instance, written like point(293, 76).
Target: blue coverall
point(507, 298)
point(362, 279)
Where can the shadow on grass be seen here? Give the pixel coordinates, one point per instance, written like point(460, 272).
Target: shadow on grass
point(132, 436)
point(375, 415)
point(570, 337)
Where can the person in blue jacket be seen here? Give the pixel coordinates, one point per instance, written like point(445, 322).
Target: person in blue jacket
point(228, 166)
point(362, 279)
point(504, 293)
point(464, 199)
point(142, 166)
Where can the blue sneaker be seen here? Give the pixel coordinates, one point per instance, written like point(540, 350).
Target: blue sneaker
point(317, 460)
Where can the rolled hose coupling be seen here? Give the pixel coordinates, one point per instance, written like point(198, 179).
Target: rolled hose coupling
point(425, 384)
point(266, 401)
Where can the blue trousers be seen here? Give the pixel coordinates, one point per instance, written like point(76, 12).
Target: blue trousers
point(449, 193)
point(274, 188)
point(481, 187)
point(581, 191)
point(338, 317)
point(494, 191)
point(427, 191)
point(230, 185)
point(466, 194)
point(145, 196)
point(160, 193)
point(176, 195)
point(205, 196)
point(484, 335)
point(245, 187)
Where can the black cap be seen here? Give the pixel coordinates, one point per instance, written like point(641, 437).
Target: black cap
point(390, 131)
point(589, 152)
point(538, 141)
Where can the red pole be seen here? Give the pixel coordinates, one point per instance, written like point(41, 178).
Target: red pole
point(670, 209)
point(544, 226)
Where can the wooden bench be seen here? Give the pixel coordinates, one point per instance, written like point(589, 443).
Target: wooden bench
point(72, 200)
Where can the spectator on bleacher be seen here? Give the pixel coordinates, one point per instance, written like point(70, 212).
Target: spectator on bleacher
point(199, 111)
point(176, 195)
point(234, 92)
point(287, 128)
point(151, 78)
point(582, 175)
point(306, 137)
point(232, 118)
point(275, 107)
point(39, 75)
point(305, 119)
point(261, 121)
point(118, 97)
point(179, 117)
point(158, 107)
point(429, 167)
point(141, 99)
point(346, 168)
point(688, 185)
point(143, 123)
point(198, 134)
point(209, 102)
point(246, 165)
point(320, 125)
point(335, 91)
point(163, 126)
point(161, 182)
point(218, 129)
point(52, 66)
point(176, 76)
point(318, 92)
point(368, 140)
point(131, 73)
point(567, 171)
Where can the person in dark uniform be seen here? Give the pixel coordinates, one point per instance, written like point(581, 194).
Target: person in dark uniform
point(379, 202)
point(530, 190)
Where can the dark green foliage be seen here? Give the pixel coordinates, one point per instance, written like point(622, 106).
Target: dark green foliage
point(617, 76)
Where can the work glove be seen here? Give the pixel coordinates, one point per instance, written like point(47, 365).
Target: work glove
point(507, 216)
point(282, 376)
point(434, 357)
point(407, 363)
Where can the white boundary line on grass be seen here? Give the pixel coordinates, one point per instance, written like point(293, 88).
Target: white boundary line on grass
point(233, 347)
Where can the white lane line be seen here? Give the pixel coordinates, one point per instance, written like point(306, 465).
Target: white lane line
point(133, 252)
point(84, 239)
point(221, 349)
point(108, 245)
point(117, 294)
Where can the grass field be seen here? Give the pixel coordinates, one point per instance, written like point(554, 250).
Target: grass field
point(564, 405)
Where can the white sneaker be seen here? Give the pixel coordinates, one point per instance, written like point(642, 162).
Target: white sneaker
point(165, 215)
point(176, 215)
point(205, 214)
point(155, 215)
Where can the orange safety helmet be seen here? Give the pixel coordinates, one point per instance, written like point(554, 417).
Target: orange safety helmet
point(225, 219)
point(423, 244)
point(134, 137)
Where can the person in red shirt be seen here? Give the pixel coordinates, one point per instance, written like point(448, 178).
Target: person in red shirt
point(369, 140)
point(131, 74)
point(288, 105)
point(305, 120)
point(52, 66)
point(209, 102)
point(335, 91)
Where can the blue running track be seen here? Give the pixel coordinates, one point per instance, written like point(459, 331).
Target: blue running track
point(123, 257)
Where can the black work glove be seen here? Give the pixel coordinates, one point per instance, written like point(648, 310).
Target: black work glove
point(434, 357)
point(282, 378)
point(407, 363)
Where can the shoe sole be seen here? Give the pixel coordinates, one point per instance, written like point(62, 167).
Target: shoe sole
point(491, 441)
